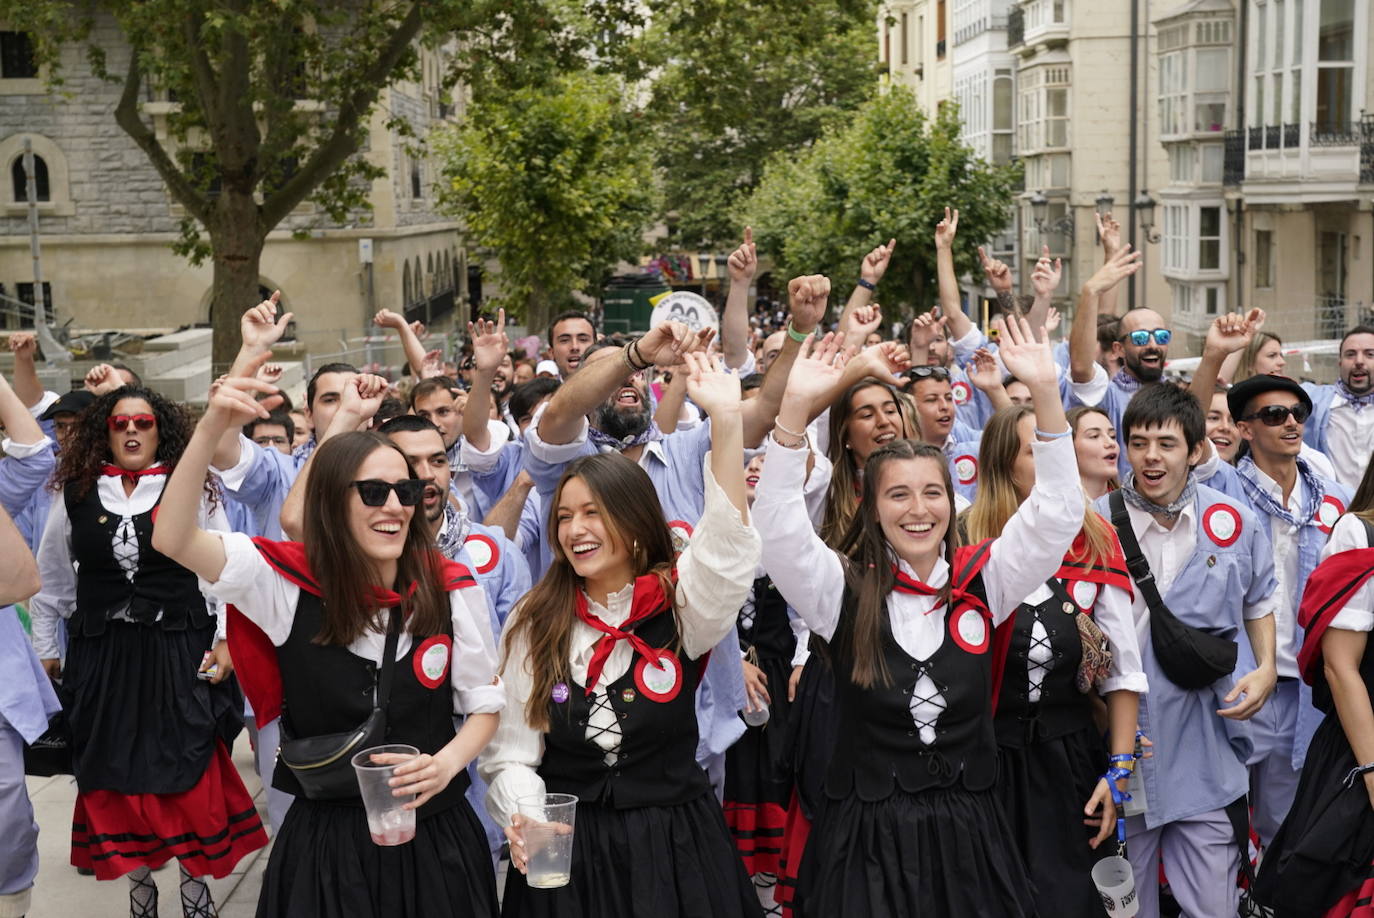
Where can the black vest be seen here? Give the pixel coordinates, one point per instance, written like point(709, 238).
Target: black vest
point(1062, 708)
point(771, 633)
point(657, 764)
point(329, 689)
point(879, 749)
point(162, 593)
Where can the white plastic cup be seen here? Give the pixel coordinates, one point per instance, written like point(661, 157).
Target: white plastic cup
point(1116, 884)
point(387, 822)
point(755, 717)
point(548, 832)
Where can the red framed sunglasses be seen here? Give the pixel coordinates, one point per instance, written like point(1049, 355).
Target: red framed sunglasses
point(140, 421)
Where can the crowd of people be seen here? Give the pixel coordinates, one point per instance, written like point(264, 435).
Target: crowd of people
point(817, 622)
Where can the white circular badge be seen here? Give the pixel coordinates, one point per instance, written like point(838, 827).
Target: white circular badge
point(691, 309)
point(1085, 594)
point(966, 470)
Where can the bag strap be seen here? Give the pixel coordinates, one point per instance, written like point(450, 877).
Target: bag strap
point(393, 636)
point(1238, 812)
point(1063, 595)
point(1135, 558)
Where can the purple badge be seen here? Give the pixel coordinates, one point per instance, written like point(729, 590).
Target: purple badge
point(560, 692)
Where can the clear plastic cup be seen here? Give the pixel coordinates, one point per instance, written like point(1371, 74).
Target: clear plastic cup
point(1116, 884)
point(389, 824)
point(548, 832)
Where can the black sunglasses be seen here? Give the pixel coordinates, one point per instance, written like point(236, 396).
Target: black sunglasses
point(939, 373)
point(1275, 415)
point(374, 492)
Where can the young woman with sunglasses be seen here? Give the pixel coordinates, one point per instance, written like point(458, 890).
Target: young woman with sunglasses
point(910, 823)
point(1054, 767)
point(601, 665)
point(150, 732)
point(309, 624)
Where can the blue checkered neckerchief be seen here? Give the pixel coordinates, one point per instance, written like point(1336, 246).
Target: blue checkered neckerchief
point(1358, 402)
point(1172, 511)
point(1261, 499)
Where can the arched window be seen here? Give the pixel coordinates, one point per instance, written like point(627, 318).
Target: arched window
point(19, 179)
point(406, 289)
point(420, 291)
point(448, 272)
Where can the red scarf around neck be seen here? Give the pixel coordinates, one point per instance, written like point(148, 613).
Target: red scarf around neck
point(649, 600)
point(132, 475)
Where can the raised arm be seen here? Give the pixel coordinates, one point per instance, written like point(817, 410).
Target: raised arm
point(734, 322)
point(24, 346)
point(808, 299)
point(1228, 334)
point(999, 279)
point(1044, 282)
point(19, 424)
point(986, 376)
point(259, 329)
point(489, 347)
point(410, 340)
point(505, 514)
point(950, 306)
point(871, 271)
point(1083, 335)
point(175, 532)
point(19, 578)
point(1109, 231)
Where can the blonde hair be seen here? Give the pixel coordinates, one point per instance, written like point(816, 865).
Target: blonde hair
point(997, 500)
point(1245, 368)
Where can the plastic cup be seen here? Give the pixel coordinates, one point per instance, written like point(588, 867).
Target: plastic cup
point(389, 824)
point(548, 832)
point(1116, 884)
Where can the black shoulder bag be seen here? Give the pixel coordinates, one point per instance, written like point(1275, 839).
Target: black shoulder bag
point(1190, 657)
point(324, 764)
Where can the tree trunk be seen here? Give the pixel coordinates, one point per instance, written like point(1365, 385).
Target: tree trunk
point(537, 312)
point(237, 242)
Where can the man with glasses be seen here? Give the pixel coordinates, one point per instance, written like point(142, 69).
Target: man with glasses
point(1342, 423)
point(1297, 507)
point(273, 432)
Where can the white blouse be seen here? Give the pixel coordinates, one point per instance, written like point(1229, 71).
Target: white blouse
point(58, 571)
point(268, 600)
point(1358, 613)
point(715, 574)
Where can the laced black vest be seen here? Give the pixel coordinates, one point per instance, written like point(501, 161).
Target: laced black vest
point(1061, 709)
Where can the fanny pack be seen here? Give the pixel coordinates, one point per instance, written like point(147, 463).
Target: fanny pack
point(323, 765)
point(1190, 657)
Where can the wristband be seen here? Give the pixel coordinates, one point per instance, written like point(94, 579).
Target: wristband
point(1053, 436)
point(634, 362)
point(791, 433)
point(867, 285)
point(1112, 776)
point(1356, 773)
point(1125, 761)
point(796, 335)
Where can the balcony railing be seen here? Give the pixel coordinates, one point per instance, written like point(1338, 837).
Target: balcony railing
point(1271, 136)
point(1016, 27)
point(1233, 161)
point(1256, 138)
point(1367, 148)
point(1331, 135)
point(1291, 135)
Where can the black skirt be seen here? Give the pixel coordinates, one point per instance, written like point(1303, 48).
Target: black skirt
point(1325, 847)
point(660, 861)
point(812, 728)
point(1042, 789)
point(140, 720)
point(942, 852)
point(325, 865)
point(757, 783)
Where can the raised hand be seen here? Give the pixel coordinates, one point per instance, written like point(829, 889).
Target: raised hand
point(1052, 320)
point(361, 397)
point(663, 346)
point(1045, 277)
point(744, 261)
point(983, 370)
point(875, 263)
point(489, 342)
point(234, 399)
point(260, 327)
point(23, 345)
point(1028, 359)
point(418, 329)
point(1233, 332)
point(709, 385)
point(1109, 231)
point(102, 378)
point(1123, 263)
point(433, 365)
point(997, 273)
point(808, 298)
point(946, 229)
point(271, 372)
point(385, 318)
point(818, 367)
point(885, 361)
point(925, 327)
point(863, 321)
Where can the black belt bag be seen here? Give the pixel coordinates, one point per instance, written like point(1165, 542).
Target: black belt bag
point(1190, 657)
point(323, 765)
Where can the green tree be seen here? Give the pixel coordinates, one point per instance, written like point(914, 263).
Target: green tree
point(557, 180)
point(889, 172)
point(238, 70)
point(740, 81)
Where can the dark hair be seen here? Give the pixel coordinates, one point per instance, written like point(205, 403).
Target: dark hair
point(1107, 329)
point(341, 568)
point(570, 314)
point(327, 368)
point(840, 503)
point(426, 387)
point(279, 417)
point(1362, 504)
point(407, 423)
point(602, 344)
point(1156, 404)
point(544, 619)
point(391, 407)
point(80, 462)
point(752, 381)
point(868, 570)
point(1357, 330)
point(528, 394)
point(138, 380)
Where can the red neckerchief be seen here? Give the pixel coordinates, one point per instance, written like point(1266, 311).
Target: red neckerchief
point(1329, 587)
point(649, 600)
point(958, 596)
point(1077, 566)
point(132, 475)
point(255, 657)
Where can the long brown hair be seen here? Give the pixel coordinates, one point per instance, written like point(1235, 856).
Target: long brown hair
point(868, 557)
point(841, 499)
point(345, 574)
point(997, 500)
point(1362, 504)
point(633, 516)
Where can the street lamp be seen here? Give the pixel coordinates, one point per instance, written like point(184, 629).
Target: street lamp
point(1144, 206)
point(703, 265)
point(1104, 203)
point(1040, 210)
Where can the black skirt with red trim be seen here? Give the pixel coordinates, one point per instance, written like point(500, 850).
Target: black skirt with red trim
point(758, 784)
point(810, 739)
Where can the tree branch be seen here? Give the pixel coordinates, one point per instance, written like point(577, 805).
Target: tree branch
point(201, 70)
point(127, 117)
point(343, 141)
